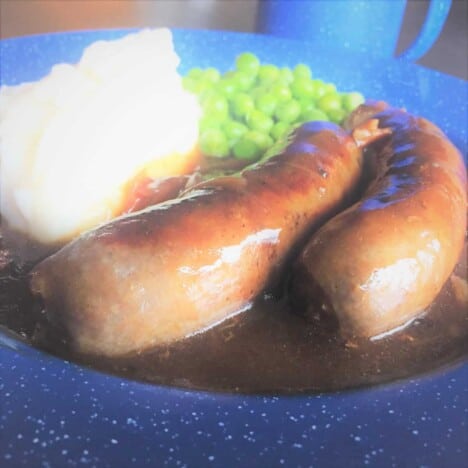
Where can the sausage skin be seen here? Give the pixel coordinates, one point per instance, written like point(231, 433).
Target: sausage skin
point(174, 269)
point(381, 262)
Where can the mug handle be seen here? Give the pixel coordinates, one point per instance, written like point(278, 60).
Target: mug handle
point(435, 19)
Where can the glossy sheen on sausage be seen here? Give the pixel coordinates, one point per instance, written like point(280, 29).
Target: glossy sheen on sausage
point(167, 272)
point(382, 261)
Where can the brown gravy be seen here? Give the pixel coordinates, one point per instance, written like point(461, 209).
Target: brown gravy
point(268, 349)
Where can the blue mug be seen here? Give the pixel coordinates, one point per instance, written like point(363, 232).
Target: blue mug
point(370, 26)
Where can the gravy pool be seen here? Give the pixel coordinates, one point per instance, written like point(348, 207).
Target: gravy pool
point(267, 349)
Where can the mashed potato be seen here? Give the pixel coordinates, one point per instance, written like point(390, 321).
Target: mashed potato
point(71, 142)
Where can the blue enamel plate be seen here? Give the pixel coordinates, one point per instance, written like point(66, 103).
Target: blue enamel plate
point(54, 413)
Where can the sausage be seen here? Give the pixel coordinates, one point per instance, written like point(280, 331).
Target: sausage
point(148, 192)
point(381, 262)
point(174, 269)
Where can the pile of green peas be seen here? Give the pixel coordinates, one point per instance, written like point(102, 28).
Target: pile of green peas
point(248, 109)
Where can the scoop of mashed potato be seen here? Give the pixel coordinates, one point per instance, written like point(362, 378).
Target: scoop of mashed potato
point(71, 142)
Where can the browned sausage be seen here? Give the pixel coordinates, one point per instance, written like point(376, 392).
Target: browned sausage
point(381, 262)
point(149, 192)
point(172, 270)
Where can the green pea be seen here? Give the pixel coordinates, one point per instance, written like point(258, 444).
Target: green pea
point(211, 75)
point(302, 88)
point(246, 149)
point(302, 70)
point(249, 107)
point(257, 120)
point(216, 106)
point(307, 104)
point(288, 111)
point(319, 89)
point(213, 142)
point(229, 74)
point(330, 88)
point(227, 86)
point(195, 73)
point(208, 122)
point(248, 62)
point(266, 103)
point(268, 73)
point(234, 130)
point(286, 76)
point(241, 105)
point(280, 130)
point(280, 91)
point(352, 100)
point(189, 83)
point(328, 102)
point(201, 87)
point(257, 91)
point(308, 109)
point(337, 115)
point(311, 115)
point(208, 94)
point(243, 80)
point(263, 140)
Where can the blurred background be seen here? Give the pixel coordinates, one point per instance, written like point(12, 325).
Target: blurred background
point(21, 17)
